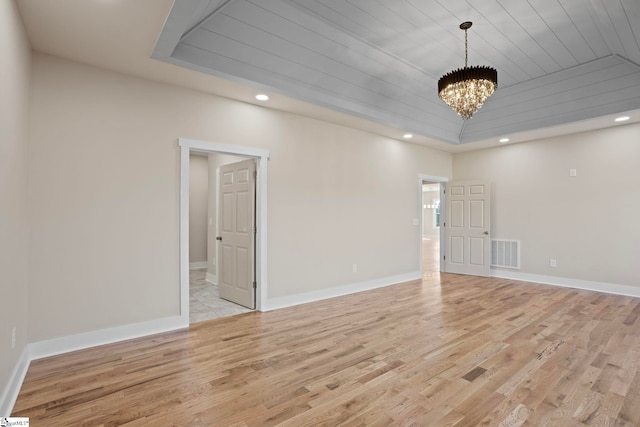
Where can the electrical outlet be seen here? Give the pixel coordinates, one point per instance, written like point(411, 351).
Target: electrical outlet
point(13, 338)
point(552, 263)
point(573, 172)
point(354, 268)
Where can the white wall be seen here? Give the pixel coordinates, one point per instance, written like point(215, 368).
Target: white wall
point(588, 223)
point(15, 69)
point(105, 242)
point(198, 207)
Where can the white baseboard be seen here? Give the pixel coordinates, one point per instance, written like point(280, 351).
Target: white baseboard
point(52, 347)
point(609, 288)
point(55, 346)
point(198, 265)
point(337, 291)
point(10, 393)
point(212, 278)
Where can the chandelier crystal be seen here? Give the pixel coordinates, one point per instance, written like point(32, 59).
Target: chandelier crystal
point(466, 89)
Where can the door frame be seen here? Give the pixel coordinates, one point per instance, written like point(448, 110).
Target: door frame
point(262, 167)
point(441, 180)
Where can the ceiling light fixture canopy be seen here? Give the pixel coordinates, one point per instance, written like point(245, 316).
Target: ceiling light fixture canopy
point(466, 89)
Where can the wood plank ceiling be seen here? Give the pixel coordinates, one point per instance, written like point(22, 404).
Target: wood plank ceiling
point(558, 61)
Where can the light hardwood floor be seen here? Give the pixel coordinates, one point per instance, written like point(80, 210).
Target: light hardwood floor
point(449, 351)
point(430, 257)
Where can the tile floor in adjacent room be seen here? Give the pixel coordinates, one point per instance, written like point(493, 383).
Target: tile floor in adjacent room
point(205, 302)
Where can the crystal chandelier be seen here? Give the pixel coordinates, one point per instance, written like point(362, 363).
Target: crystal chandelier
point(466, 89)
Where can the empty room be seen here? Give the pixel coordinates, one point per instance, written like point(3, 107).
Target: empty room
point(320, 213)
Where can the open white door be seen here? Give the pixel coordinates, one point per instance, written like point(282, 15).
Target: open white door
point(467, 228)
point(236, 235)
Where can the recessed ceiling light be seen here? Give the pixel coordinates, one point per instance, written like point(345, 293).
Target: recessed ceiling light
point(622, 119)
point(503, 140)
point(407, 136)
point(262, 97)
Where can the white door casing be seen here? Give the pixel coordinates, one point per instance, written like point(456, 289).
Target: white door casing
point(468, 228)
point(236, 233)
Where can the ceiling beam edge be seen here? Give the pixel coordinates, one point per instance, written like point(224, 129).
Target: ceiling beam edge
point(173, 29)
point(205, 19)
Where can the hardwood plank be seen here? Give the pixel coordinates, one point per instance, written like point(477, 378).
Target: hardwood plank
point(447, 350)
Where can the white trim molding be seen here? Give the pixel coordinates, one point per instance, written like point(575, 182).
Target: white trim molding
point(565, 282)
point(212, 278)
point(10, 393)
point(198, 265)
point(431, 178)
point(55, 346)
point(337, 291)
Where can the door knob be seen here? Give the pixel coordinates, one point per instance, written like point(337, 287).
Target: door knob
point(486, 232)
point(219, 238)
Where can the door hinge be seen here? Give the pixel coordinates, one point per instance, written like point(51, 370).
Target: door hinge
point(255, 284)
point(255, 174)
point(444, 257)
point(444, 224)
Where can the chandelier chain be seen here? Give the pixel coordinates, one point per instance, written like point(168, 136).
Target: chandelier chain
point(466, 52)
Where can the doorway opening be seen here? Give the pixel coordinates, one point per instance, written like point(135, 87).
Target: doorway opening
point(431, 218)
point(206, 297)
point(203, 272)
point(431, 198)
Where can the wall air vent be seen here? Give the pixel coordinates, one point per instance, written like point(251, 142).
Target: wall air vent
point(505, 253)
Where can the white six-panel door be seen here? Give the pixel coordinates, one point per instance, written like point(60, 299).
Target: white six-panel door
point(236, 235)
point(468, 228)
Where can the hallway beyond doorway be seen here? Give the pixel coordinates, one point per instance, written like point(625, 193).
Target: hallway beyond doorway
point(430, 257)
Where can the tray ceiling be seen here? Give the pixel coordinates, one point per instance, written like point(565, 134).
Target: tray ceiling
point(558, 61)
